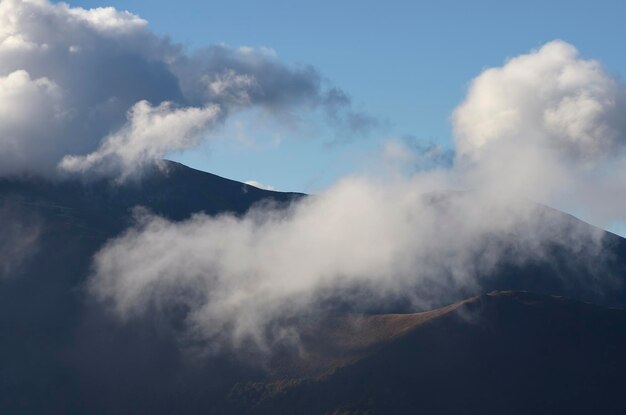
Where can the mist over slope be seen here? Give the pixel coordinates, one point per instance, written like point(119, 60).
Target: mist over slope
point(65, 350)
point(360, 245)
point(58, 345)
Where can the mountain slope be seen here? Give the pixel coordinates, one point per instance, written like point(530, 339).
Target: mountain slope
point(58, 350)
point(62, 353)
point(505, 352)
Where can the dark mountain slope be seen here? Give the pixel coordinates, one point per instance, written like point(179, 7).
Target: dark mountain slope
point(60, 353)
point(505, 352)
point(174, 191)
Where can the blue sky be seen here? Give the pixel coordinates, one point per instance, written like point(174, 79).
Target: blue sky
point(407, 63)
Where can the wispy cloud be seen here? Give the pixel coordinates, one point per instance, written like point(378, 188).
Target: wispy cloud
point(150, 133)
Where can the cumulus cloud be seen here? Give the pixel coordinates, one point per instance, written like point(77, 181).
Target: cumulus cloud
point(550, 97)
point(69, 76)
point(546, 125)
point(22, 101)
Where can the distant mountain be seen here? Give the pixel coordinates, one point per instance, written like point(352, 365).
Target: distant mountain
point(60, 353)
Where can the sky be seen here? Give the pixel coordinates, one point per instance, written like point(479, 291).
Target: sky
point(406, 63)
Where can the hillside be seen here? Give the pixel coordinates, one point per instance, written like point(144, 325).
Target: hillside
point(63, 353)
point(504, 352)
point(58, 348)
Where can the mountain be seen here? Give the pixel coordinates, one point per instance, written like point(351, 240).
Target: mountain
point(53, 340)
point(61, 353)
point(503, 352)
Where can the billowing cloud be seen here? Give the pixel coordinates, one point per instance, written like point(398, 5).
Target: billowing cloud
point(22, 101)
point(550, 98)
point(546, 125)
point(151, 132)
point(69, 77)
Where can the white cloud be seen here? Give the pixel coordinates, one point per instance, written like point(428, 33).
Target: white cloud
point(150, 133)
point(547, 125)
point(29, 109)
point(90, 67)
point(550, 98)
point(105, 19)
